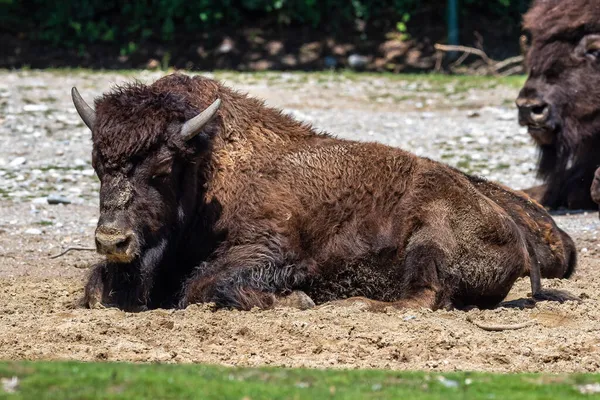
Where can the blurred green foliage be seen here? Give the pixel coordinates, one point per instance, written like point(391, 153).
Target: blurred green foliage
point(75, 24)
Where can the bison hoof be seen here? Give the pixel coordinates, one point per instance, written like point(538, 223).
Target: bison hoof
point(96, 305)
point(297, 299)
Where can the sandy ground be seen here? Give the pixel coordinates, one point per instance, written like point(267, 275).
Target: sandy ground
point(44, 151)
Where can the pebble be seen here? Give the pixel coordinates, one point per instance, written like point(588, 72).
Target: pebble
point(17, 161)
point(57, 199)
point(33, 231)
point(35, 107)
point(356, 61)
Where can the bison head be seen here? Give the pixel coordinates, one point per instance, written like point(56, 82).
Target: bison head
point(560, 101)
point(147, 149)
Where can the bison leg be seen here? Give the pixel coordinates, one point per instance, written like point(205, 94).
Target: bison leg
point(114, 285)
point(242, 297)
point(244, 277)
point(572, 190)
point(423, 270)
point(540, 294)
point(94, 289)
point(420, 282)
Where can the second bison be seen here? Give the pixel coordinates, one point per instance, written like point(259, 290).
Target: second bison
point(560, 102)
point(208, 195)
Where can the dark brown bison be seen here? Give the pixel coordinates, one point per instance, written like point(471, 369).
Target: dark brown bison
point(560, 102)
point(207, 195)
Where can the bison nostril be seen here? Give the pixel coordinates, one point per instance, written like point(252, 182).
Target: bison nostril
point(532, 112)
point(122, 243)
point(539, 113)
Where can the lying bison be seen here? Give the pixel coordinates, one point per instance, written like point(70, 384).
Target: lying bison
point(560, 102)
point(241, 205)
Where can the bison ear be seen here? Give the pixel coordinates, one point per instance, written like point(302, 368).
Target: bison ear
point(87, 113)
point(193, 127)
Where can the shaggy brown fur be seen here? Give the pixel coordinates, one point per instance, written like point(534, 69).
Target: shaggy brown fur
point(560, 102)
point(260, 205)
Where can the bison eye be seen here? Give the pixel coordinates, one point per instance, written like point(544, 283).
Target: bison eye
point(593, 53)
point(589, 47)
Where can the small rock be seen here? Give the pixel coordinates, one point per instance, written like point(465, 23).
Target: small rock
point(507, 116)
point(473, 114)
point(57, 199)
point(17, 161)
point(35, 107)
point(226, 46)
point(33, 231)
point(153, 63)
point(289, 60)
point(356, 61)
point(261, 65)
point(274, 47)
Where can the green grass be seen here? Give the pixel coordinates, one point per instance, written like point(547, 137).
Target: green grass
point(74, 380)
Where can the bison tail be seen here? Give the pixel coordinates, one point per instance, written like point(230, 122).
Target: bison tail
point(554, 295)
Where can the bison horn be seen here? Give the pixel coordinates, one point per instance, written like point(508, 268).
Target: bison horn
point(87, 113)
point(192, 127)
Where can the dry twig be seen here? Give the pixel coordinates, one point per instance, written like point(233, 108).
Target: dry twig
point(501, 327)
point(492, 67)
point(74, 249)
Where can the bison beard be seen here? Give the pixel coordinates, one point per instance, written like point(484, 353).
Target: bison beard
point(560, 101)
point(254, 207)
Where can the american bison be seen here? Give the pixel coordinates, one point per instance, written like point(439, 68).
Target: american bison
point(207, 195)
point(560, 102)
